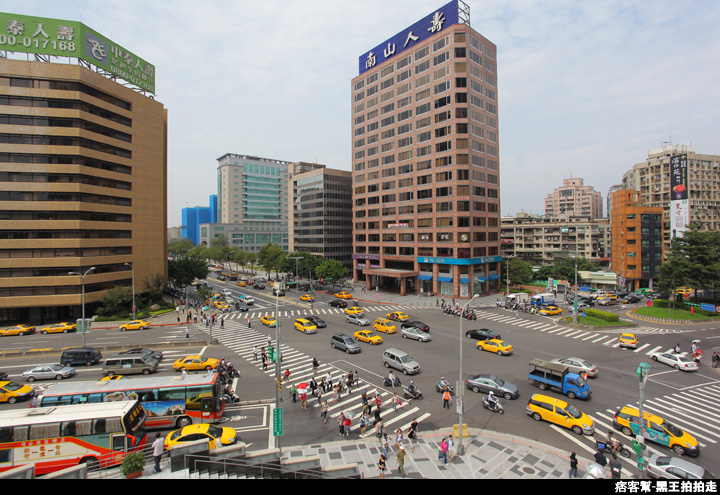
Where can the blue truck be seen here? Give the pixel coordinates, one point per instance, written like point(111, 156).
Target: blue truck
point(556, 376)
point(542, 299)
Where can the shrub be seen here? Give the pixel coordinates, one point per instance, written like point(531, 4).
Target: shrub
point(603, 315)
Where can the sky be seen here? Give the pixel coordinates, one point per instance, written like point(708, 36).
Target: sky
point(585, 88)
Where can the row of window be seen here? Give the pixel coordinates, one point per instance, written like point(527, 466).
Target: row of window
point(64, 197)
point(428, 223)
point(25, 120)
point(85, 216)
point(17, 82)
point(28, 101)
point(39, 140)
point(58, 271)
point(442, 252)
point(64, 160)
point(64, 179)
point(65, 234)
point(430, 237)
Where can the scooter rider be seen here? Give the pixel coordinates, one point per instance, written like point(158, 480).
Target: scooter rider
point(411, 388)
point(611, 441)
point(444, 383)
point(392, 378)
point(492, 400)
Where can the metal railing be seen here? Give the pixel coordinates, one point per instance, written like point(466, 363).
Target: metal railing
point(196, 465)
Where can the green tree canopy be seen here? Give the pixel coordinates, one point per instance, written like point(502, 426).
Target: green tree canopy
point(184, 270)
point(519, 271)
point(331, 269)
point(694, 261)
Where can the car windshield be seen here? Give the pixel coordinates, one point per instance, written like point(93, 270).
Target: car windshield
point(498, 382)
point(674, 430)
point(573, 412)
point(581, 382)
point(406, 359)
point(56, 367)
point(214, 431)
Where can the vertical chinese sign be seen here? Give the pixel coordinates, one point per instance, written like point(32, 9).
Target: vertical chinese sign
point(679, 203)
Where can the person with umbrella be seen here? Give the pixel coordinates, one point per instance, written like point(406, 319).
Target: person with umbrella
point(302, 390)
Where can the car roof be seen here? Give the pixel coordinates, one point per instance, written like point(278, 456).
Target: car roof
point(681, 463)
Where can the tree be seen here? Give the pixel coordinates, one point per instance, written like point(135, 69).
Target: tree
point(519, 271)
point(116, 301)
point(271, 256)
point(184, 271)
point(239, 257)
point(154, 283)
point(331, 269)
point(179, 247)
point(694, 260)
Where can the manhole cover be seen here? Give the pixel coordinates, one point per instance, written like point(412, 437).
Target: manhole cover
point(528, 470)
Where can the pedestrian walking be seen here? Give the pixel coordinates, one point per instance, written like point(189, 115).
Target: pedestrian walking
point(442, 454)
point(437, 302)
point(398, 438)
point(385, 444)
point(379, 428)
point(341, 423)
point(412, 435)
point(347, 424)
point(394, 402)
point(381, 466)
point(265, 362)
point(451, 448)
point(715, 359)
point(400, 456)
point(222, 323)
point(287, 375)
point(516, 314)
point(364, 422)
point(615, 467)
point(319, 394)
point(573, 466)
point(187, 332)
point(293, 392)
point(324, 412)
point(158, 447)
point(315, 366)
point(255, 352)
point(303, 399)
point(249, 322)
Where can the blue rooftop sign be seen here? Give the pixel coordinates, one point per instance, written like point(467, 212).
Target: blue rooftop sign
point(445, 16)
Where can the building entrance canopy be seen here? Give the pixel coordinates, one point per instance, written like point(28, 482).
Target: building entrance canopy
point(392, 273)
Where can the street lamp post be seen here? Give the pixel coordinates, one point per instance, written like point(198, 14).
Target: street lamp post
point(297, 283)
point(83, 275)
point(133, 287)
point(460, 384)
point(278, 397)
point(575, 303)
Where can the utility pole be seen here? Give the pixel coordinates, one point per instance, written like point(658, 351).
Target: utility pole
point(638, 444)
point(461, 384)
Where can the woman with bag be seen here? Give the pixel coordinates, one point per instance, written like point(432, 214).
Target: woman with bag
point(381, 466)
point(443, 452)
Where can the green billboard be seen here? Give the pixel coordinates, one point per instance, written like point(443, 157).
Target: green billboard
point(55, 37)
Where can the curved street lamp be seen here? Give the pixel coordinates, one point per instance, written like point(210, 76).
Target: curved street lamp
point(83, 275)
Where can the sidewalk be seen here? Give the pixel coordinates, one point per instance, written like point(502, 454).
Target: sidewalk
point(489, 455)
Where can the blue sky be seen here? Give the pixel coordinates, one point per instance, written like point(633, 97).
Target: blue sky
point(585, 88)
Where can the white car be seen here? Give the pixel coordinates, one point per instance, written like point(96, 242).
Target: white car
point(578, 365)
point(677, 361)
point(249, 300)
point(226, 292)
point(415, 333)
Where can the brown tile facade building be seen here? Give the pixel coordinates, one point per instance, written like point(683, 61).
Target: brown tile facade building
point(426, 172)
point(83, 183)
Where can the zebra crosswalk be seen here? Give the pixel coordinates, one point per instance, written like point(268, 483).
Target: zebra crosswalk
point(549, 327)
point(297, 313)
point(693, 410)
point(242, 340)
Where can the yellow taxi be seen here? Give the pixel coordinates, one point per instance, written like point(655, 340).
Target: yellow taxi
point(216, 435)
point(305, 326)
point(17, 330)
point(367, 336)
point(497, 346)
point(195, 363)
point(221, 305)
point(628, 340)
point(354, 310)
point(59, 328)
point(269, 321)
point(12, 392)
point(135, 325)
point(542, 407)
point(242, 283)
point(343, 295)
point(685, 291)
point(397, 316)
point(550, 311)
point(383, 325)
point(307, 297)
point(657, 429)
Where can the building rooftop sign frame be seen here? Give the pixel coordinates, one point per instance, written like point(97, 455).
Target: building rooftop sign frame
point(61, 38)
point(455, 12)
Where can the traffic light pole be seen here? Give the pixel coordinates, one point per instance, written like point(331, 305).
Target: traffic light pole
point(278, 385)
point(639, 443)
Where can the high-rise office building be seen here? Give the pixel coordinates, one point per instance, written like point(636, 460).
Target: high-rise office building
point(253, 198)
point(574, 198)
point(83, 172)
point(426, 172)
point(321, 211)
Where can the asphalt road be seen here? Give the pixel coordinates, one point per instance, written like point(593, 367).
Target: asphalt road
point(686, 399)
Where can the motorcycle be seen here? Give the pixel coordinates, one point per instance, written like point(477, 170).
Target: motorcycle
point(396, 383)
point(416, 394)
point(607, 448)
point(230, 398)
point(439, 388)
point(493, 406)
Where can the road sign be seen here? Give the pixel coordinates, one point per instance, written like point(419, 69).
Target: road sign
point(584, 315)
point(278, 422)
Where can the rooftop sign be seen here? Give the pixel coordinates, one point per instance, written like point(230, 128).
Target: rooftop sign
point(59, 38)
point(446, 15)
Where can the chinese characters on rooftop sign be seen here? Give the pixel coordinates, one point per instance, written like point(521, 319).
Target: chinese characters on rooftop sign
point(55, 37)
point(434, 23)
point(679, 204)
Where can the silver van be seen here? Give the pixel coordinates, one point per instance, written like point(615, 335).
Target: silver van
point(400, 360)
point(344, 343)
point(129, 365)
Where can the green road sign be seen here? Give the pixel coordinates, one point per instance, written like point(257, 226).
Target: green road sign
point(278, 422)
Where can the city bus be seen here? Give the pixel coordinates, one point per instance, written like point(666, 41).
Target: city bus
point(169, 401)
point(55, 438)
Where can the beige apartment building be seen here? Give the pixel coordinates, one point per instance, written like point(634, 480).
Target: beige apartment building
point(426, 172)
point(574, 198)
point(651, 179)
point(83, 176)
point(544, 240)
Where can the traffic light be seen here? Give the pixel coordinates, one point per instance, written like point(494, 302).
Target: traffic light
point(271, 354)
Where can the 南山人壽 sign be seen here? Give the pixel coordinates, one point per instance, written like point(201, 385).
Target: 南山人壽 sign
point(430, 25)
point(61, 38)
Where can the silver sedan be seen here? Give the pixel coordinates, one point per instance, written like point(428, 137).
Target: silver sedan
point(579, 365)
point(49, 372)
point(357, 320)
point(415, 333)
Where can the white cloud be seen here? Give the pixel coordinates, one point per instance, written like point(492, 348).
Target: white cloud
point(584, 87)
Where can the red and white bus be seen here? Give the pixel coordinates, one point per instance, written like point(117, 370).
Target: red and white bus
point(55, 438)
point(169, 401)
